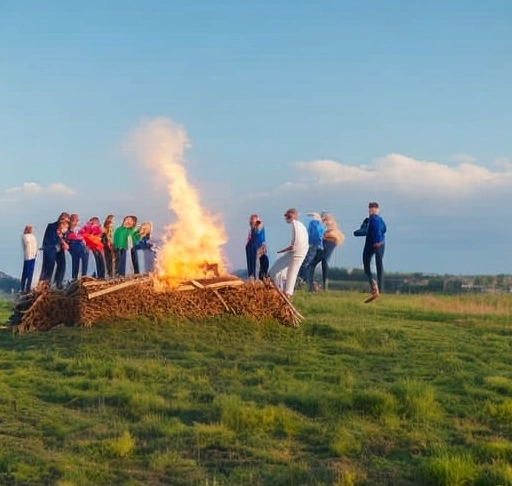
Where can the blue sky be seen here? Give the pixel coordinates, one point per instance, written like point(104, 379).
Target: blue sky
point(318, 105)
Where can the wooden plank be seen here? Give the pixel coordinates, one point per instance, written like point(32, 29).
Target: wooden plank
point(115, 288)
point(216, 285)
point(226, 283)
point(195, 283)
point(296, 314)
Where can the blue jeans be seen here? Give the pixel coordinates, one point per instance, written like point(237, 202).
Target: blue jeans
point(121, 262)
point(51, 259)
point(27, 274)
point(100, 263)
point(368, 254)
point(323, 257)
point(251, 253)
point(135, 260)
point(307, 270)
point(79, 253)
point(60, 270)
point(49, 256)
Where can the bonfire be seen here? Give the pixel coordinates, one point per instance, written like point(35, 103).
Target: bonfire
point(90, 301)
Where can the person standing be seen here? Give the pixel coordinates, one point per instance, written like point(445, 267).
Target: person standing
point(264, 262)
point(62, 248)
point(54, 256)
point(255, 246)
point(373, 229)
point(107, 239)
point(91, 233)
point(29, 245)
point(293, 254)
point(146, 247)
point(316, 230)
point(333, 237)
point(77, 249)
point(125, 237)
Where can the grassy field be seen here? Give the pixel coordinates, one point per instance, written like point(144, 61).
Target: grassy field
point(408, 390)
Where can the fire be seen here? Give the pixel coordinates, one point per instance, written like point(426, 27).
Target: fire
point(192, 244)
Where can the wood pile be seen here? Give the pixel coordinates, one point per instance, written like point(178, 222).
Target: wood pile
point(89, 301)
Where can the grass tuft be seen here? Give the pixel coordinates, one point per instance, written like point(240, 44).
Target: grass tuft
point(122, 446)
point(450, 470)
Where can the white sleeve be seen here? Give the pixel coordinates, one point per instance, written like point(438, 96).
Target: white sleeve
point(294, 235)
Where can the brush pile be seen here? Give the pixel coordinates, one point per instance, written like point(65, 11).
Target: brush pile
point(89, 301)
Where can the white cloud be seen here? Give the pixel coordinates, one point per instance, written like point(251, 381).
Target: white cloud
point(329, 171)
point(33, 189)
point(404, 176)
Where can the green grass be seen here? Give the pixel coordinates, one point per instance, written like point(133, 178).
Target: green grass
point(408, 390)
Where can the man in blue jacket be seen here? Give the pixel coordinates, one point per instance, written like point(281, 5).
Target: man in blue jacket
point(374, 230)
point(54, 255)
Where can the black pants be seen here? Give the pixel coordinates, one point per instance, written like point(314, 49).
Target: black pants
point(368, 254)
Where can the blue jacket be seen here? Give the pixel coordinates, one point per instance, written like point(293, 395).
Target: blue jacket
point(316, 231)
point(363, 229)
point(256, 237)
point(144, 243)
point(376, 231)
point(51, 238)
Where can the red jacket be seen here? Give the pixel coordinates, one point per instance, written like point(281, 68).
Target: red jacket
point(92, 236)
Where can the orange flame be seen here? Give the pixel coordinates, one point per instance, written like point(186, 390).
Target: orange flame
point(192, 244)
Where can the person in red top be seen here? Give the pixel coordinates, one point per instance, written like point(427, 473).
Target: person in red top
point(91, 233)
point(77, 249)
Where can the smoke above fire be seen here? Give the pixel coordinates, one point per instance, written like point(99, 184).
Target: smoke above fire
point(192, 243)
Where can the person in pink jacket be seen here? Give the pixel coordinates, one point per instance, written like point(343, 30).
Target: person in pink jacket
point(77, 249)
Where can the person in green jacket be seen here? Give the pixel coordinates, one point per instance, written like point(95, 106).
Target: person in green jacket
point(126, 237)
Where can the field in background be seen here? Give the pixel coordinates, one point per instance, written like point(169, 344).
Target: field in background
point(408, 390)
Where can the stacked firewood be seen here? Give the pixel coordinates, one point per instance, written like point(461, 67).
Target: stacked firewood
point(90, 301)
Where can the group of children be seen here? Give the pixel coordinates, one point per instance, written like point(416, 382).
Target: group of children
point(109, 247)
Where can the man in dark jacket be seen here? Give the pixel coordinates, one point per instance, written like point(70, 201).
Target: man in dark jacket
point(374, 229)
point(53, 253)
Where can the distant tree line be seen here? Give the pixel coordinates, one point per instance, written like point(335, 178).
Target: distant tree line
point(414, 282)
point(8, 284)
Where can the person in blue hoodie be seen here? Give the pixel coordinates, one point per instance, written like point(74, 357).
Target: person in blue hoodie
point(373, 229)
point(316, 230)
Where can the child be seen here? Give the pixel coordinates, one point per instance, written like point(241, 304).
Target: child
point(126, 237)
point(146, 246)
